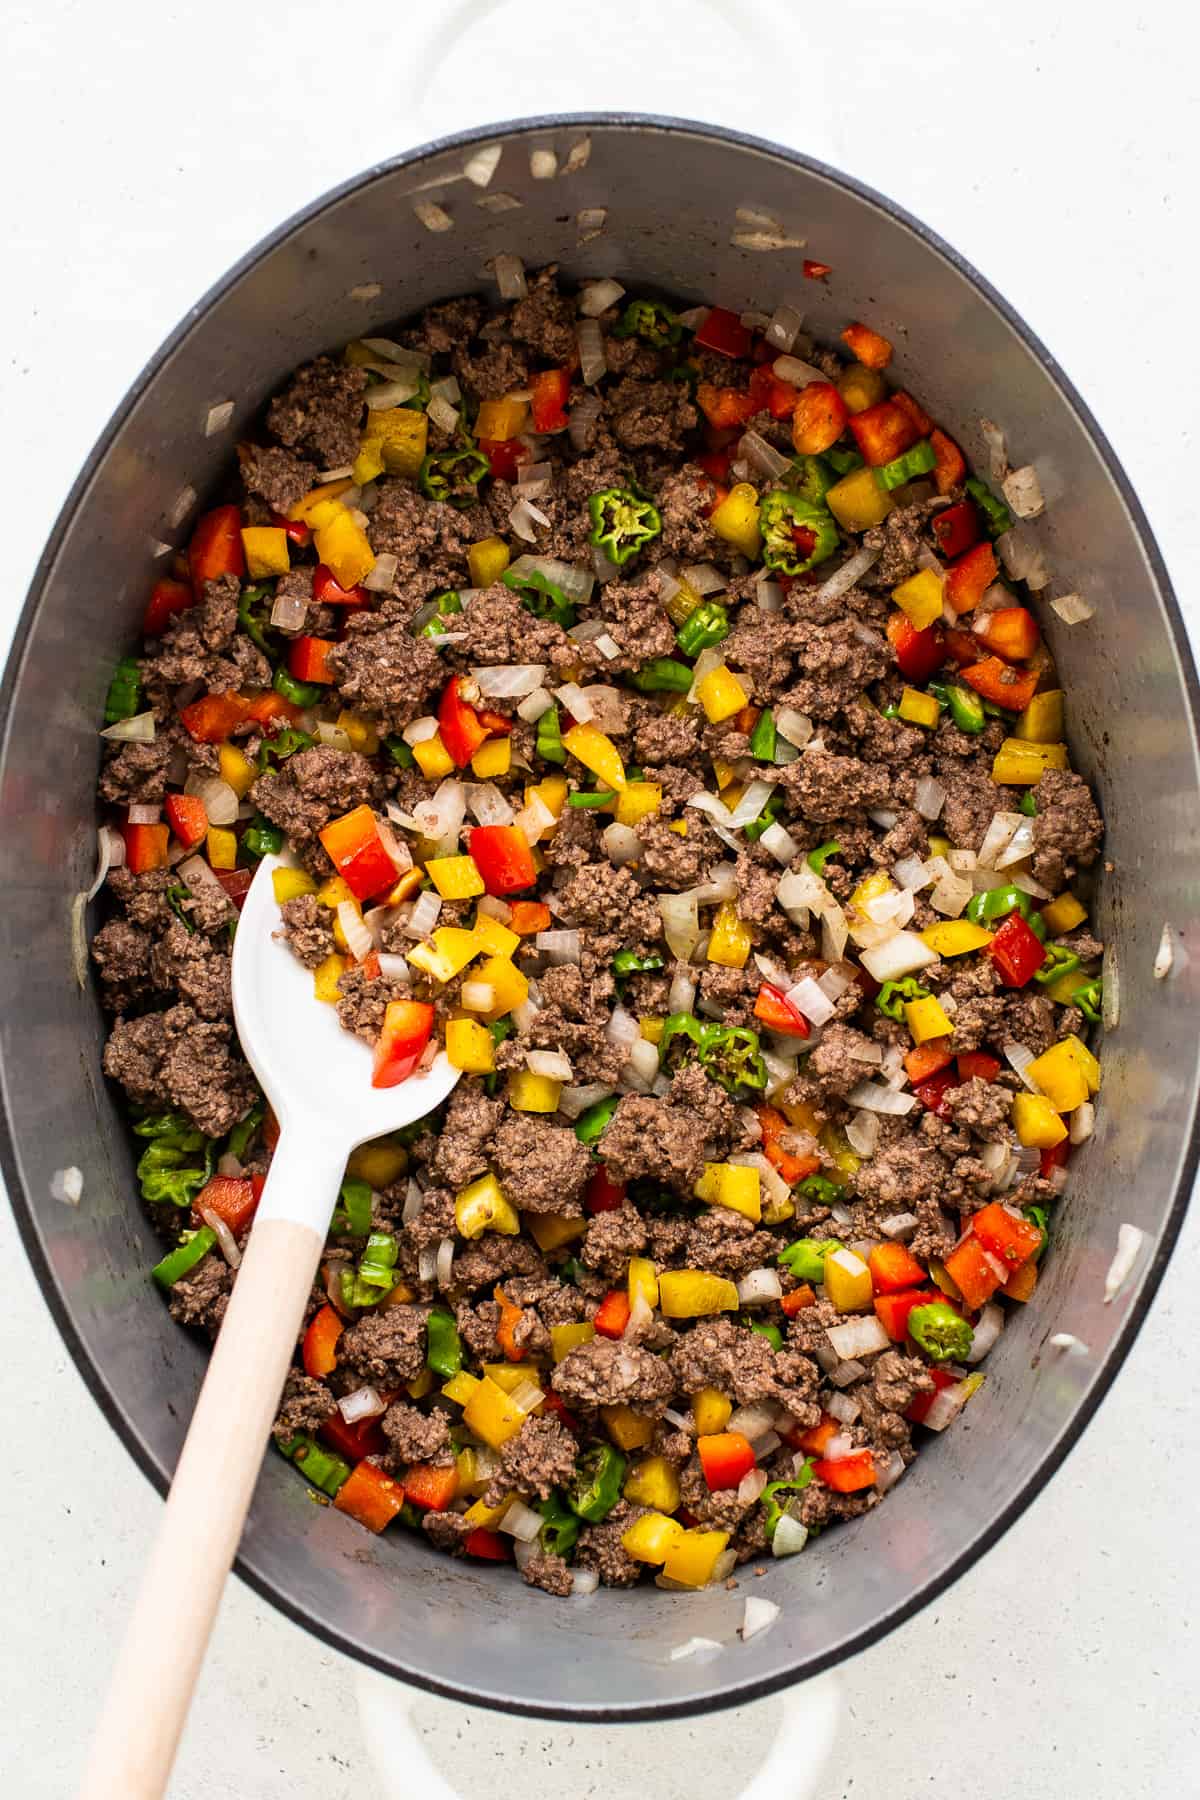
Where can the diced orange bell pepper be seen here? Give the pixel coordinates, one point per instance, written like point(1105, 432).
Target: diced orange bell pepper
point(358, 852)
point(550, 390)
point(328, 591)
point(308, 658)
point(893, 1268)
point(972, 1274)
point(187, 818)
point(319, 1350)
point(401, 1042)
point(883, 432)
point(510, 1318)
point(212, 717)
point(216, 547)
point(772, 395)
point(814, 1440)
point(1021, 1282)
point(268, 709)
point(529, 917)
point(726, 407)
point(951, 465)
point(1011, 632)
point(868, 346)
point(232, 1198)
point(370, 1496)
point(914, 411)
point(969, 579)
point(429, 1487)
point(1001, 684)
point(848, 1474)
point(818, 419)
point(725, 1457)
point(797, 1300)
point(145, 847)
point(925, 1061)
point(792, 1168)
point(612, 1315)
point(1007, 1235)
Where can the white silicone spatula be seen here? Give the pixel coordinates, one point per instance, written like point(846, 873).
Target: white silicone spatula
point(317, 1078)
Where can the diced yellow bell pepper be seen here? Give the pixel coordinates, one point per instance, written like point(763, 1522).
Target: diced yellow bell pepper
point(455, 877)
point(955, 937)
point(845, 1163)
point(405, 888)
point(919, 709)
point(652, 1029)
point(926, 1019)
point(317, 498)
point(551, 791)
point(1020, 764)
point(731, 1185)
point(333, 890)
point(861, 387)
point(530, 1093)
point(509, 986)
point(858, 501)
point(711, 1411)
point(628, 1430)
point(493, 758)
point(378, 1164)
point(326, 976)
point(498, 420)
point(777, 1208)
point(800, 1114)
point(289, 884)
point(736, 520)
point(494, 937)
point(421, 1384)
point(679, 827)
point(506, 1375)
point(324, 512)
point(721, 694)
point(362, 734)
point(597, 753)
point(871, 887)
point(487, 561)
point(637, 800)
point(693, 1557)
point(1036, 1123)
point(848, 1281)
point(221, 848)
point(368, 464)
point(460, 1387)
point(1044, 719)
point(1067, 1073)
point(470, 1047)
point(653, 1481)
point(940, 846)
point(235, 767)
point(1063, 914)
point(550, 1232)
point(682, 604)
point(491, 1415)
point(342, 546)
point(651, 1538)
point(920, 598)
point(731, 942)
point(694, 1293)
point(643, 1280)
point(483, 1206)
point(565, 1338)
point(486, 1518)
point(453, 947)
point(432, 758)
point(266, 548)
point(402, 433)
point(724, 772)
point(940, 1279)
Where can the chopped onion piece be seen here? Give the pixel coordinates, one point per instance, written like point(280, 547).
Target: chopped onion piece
point(902, 955)
point(424, 915)
point(778, 842)
point(1130, 1239)
point(147, 814)
point(357, 936)
point(910, 872)
point(550, 1063)
point(681, 923)
point(576, 702)
point(987, 1329)
point(387, 394)
point(703, 579)
point(592, 363)
point(796, 373)
point(559, 946)
point(1083, 1123)
point(884, 817)
point(929, 797)
point(536, 819)
point(488, 806)
point(692, 1647)
point(1022, 557)
point(442, 815)
point(139, 729)
point(862, 1133)
point(753, 1421)
point(759, 1285)
point(420, 731)
point(525, 518)
point(873, 1097)
point(582, 419)
point(720, 886)
point(520, 1521)
point(575, 1100)
point(363, 1403)
point(622, 1029)
point(621, 844)
point(534, 479)
point(761, 456)
point(808, 997)
point(220, 800)
point(796, 727)
point(509, 681)
point(769, 597)
point(899, 1226)
point(1019, 846)
point(947, 1404)
point(751, 1486)
point(844, 578)
point(444, 1262)
point(534, 705)
point(993, 437)
point(1023, 491)
point(597, 296)
point(889, 1475)
point(843, 1407)
point(1019, 1057)
point(1164, 956)
point(1072, 609)
point(782, 327)
point(478, 996)
point(67, 1185)
point(1066, 1340)
point(750, 805)
point(110, 854)
point(226, 1241)
point(790, 1536)
point(510, 276)
point(858, 1337)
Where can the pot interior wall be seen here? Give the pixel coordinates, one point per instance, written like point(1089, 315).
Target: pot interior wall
point(661, 208)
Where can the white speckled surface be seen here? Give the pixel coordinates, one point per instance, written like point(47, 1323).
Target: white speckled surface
point(145, 151)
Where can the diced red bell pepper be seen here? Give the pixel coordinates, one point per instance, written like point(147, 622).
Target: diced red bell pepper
point(868, 346)
point(505, 456)
point(494, 723)
point(977, 1065)
point(777, 1013)
point(353, 1442)
point(715, 464)
point(145, 847)
point(969, 579)
point(371, 1496)
point(232, 1198)
point(725, 1456)
point(430, 1487)
point(401, 1043)
point(883, 432)
point(950, 467)
point(964, 647)
point(550, 390)
point(1007, 1235)
point(893, 1268)
point(503, 857)
point(726, 407)
point(817, 1438)
point(791, 1167)
point(269, 709)
point(971, 1271)
point(1017, 951)
point(819, 418)
point(1011, 631)
point(167, 598)
point(848, 1474)
point(485, 1545)
point(770, 394)
point(187, 818)
point(319, 1349)
point(797, 1300)
point(216, 547)
point(211, 718)
point(919, 654)
point(359, 853)
point(328, 592)
point(932, 1093)
point(956, 528)
point(1056, 1157)
point(510, 1317)
point(912, 409)
point(925, 1060)
point(308, 659)
point(462, 730)
point(236, 883)
point(723, 332)
point(1003, 685)
point(612, 1315)
point(815, 271)
point(923, 1403)
point(297, 531)
point(554, 1403)
point(602, 1193)
point(529, 917)
point(892, 1310)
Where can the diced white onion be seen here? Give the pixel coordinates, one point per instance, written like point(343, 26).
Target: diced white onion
point(993, 437)
point(703, 579)
point(534, 705)
point(226, 1242)
point(929, 797)
point(794, 726)
point(899, 1226)
point(692, 1647)
point(622, 1029)
point(902, 955)
point(768, 596)
point(488, 806)
point(576, 701)
point(862, 1133)
point(575, 1100)
point(778, 842)
point(844, 578)
point(1023, 491)
point(559, 946)
point(140, 729)
point(751, 1486)
point(444, 1262)
point(761, 456)
point(987, 1329)
point(357, 936)
point(1019, 1057)
point(1019, 846)
point(67, 1185)
point(860, 1336)
point(873, 1097)
point(420, 731)
point(510, 276)
point(521, 1522)
point(363, 1403)
point(584, 1581)
point(1083, 1123)
point(1130, 1239)
point(582, 419)
point(844, 1408)
point(753, 1421)
point(478, 996)
point(110, 854)
point(1072, 609)
point(525, 518)
point(387, 394)
point(948, 1402)
point(1022, 557)
point(809, 998)
point(759, 1285)
point(597, 296)
point(755, 797)
point(509, 681)
point(534, 479)
point(782, 327)
point(621, 844)
point(681, 923)
point(790, 1536)
point(592, 363)
point(535, 819)
point(147, 814)
point(424, 915)
point(887, 1476)
point(551, 1064)
point(796, 373)
point(1066, 1340)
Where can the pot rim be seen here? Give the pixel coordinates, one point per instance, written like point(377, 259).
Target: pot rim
point(734, 1692)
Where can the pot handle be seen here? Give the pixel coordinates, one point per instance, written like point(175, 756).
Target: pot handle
point(794, 1765)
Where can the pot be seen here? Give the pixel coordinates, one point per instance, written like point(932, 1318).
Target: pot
point(705, 215)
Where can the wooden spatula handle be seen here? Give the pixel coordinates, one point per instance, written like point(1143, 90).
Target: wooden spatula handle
point(164, 1645)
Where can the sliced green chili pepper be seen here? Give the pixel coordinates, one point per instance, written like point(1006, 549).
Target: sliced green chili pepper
point(443, 1346)
point(966, 708)
point(320, 1468)
point(916, 461)
point(704, 626)
point(590, 1125)
point(261, 838)
point(238, 1141)
point(766, 818)
point(1089, 999)
point(843, 461)
point(177, 1162)
point(175, 897)
point(893, 995)
point(125, 692)
point(354, 1213)
point(376, 1272)
point(300, 693)
point(998, 902)
point(816, 859)
point(796, 534)
point(795, 1484)
point(939, 1330)
point(499, 1029)
point(662, 675)
point(805, 1259)
point(254, 617)
point(599, 1475)
point(729, 1053)
point(1038, 1216)
point(400, 753)
point(1059, 961)
point(282, 745)
point(549, 744)
point(764, 737)
point(591, 798)
point(1027, 804)
point(819, 1190)
point(453, 476)
point(558, 1535)
point(540, 596)
point(192, 1248)
point(996, 516)
point(420, 400)
point(650, 320)
point(772, 1333)
point(443, 605)
point(629, 962)
point(622, 523)
point(815, 478)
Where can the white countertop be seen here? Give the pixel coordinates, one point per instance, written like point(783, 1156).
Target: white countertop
point(146, 149)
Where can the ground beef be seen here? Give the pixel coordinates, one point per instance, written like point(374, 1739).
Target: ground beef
point(673, 863)
point(320, 412)
point(136, 774)
point(491, 1260)
point(385, 1347)
point(122, 955)
point(448, 324)
point(599, 1547)
point(665, 738)
point(362, 1002)
point(463, 1144)
point(193, 649)
point(543, 1168)
point(612, 1238)
point(549, 1572)
point(1066, 829)
point(842, 1059)
point(417, 1437)
point(717, 1353)
point(277, 476)
point(899, 541)
point(501, 630)
point(604, 1373)
point(609, 900)
point(982, 1108)
point(822, 786)
point(727, 1244)
point(651, 1138)
point(312, 787)
point(445, 1530)
point(910, 1176)
point(637, 623)
point(650, 412)
point(202, 1295)
point(545, 319)
point(307, 926)
point(198, 967)
point(305, 1406)
point(540, 1458)
point(176, 1059)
